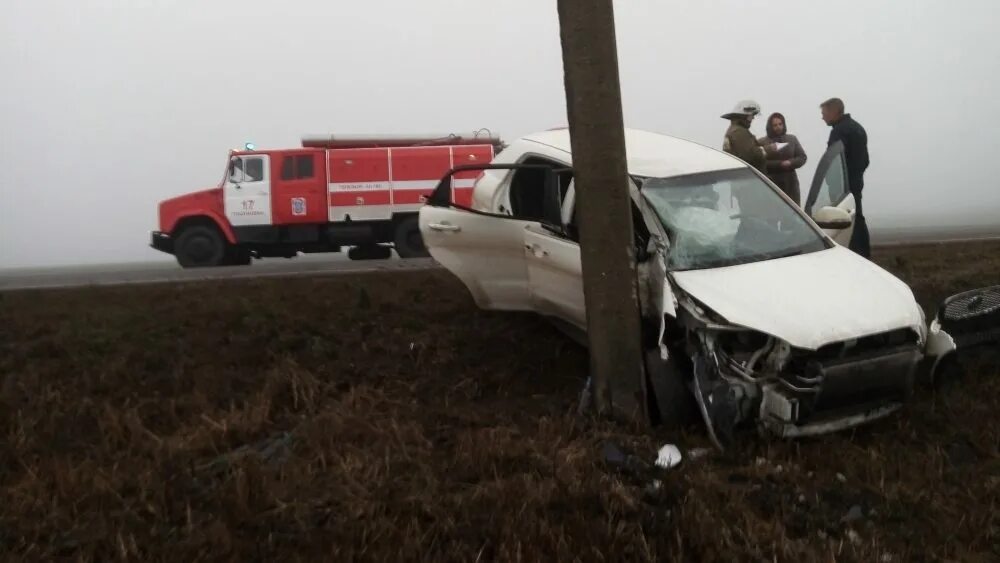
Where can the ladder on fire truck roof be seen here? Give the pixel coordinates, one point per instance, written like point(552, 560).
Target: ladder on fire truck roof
point(386, 141)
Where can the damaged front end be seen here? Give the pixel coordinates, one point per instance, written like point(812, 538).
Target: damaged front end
point(740, 376)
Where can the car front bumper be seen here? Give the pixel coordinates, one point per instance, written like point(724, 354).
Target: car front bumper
point(162, 242)
point(852, 392)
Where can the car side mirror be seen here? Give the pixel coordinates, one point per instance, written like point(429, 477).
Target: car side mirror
point(832, 218)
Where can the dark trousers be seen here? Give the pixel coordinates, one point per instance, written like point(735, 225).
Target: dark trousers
point(860, 239)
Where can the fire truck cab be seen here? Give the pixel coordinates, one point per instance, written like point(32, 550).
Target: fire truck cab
point(332, 192)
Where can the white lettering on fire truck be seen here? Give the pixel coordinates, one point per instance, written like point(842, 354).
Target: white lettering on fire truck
point(248, 210)
point(358, 186)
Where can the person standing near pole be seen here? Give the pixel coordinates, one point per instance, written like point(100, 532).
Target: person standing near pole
point(855, 139)
point(739, 141)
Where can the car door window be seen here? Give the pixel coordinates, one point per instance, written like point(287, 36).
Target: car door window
point(831, 191)
point(639, 228)
point(829, 186)
point(527, 188)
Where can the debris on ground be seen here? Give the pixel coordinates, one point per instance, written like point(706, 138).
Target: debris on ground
point(668, 457)
point(624, 462)
point(853, 515)
point(698, 453)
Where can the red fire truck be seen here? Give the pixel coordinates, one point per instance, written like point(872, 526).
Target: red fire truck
point(334, 191)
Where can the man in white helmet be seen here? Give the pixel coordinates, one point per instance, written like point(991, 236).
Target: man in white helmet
point(739, 141)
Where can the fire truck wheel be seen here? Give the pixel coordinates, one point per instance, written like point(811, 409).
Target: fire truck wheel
point(408, 242)
point(200, 246)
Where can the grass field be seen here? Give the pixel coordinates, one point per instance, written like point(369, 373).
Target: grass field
point(384, 417)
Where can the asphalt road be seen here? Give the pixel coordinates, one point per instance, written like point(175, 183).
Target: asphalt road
point(168, 271)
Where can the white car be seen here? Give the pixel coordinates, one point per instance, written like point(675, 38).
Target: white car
point(749, 305)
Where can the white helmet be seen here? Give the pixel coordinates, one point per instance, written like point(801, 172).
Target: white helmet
point(743, 108)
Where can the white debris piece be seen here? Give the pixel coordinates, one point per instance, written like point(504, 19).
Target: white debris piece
point(668, 457)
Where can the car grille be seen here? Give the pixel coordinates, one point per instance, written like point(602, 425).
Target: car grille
point(971, 304)
point(862, 346)
point(972, 317)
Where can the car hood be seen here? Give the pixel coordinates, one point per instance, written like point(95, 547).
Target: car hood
point(808, 300)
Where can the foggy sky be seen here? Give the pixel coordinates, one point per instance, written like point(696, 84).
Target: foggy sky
point(107, 107)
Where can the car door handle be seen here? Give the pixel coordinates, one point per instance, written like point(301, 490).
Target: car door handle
point(444, 227)
point(538, 251)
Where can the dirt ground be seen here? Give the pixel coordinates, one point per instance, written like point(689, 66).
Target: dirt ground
point(384, 417)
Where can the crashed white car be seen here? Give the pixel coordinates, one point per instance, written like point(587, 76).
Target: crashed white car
point(749, 305)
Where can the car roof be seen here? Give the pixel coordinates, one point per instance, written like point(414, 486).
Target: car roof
point(653, 154)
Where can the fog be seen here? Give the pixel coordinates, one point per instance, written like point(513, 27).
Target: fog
point(109, 106)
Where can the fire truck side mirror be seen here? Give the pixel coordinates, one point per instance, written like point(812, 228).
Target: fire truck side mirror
point(235, 171)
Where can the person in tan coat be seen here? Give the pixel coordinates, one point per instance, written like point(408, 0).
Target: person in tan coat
point(739, 141)
point(784, 161)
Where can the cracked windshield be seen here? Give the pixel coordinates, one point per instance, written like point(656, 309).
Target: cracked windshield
point(726, 218)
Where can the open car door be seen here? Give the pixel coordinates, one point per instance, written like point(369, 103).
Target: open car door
point(830, 202)
point(484, 250)
point(554, 268)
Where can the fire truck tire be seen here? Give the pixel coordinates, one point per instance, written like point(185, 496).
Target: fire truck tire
point(200, 246)
point(408, 241)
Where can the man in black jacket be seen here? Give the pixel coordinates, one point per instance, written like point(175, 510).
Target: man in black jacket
point(855, 139)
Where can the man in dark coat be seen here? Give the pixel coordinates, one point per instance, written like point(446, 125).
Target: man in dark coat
point(782, 163)
point(855, 139)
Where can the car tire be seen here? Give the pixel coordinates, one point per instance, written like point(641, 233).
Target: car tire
point(200, 246)
point(671, 403)
point(408, 241)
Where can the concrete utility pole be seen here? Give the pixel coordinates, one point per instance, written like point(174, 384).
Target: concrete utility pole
point(596, 125)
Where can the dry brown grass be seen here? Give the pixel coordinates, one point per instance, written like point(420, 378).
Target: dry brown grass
point(307, 419)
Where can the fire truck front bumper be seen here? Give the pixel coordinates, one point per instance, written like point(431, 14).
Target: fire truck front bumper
point(162, 242)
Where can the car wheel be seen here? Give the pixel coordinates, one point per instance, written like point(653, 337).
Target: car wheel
point(408, 241)
point(200, 246)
